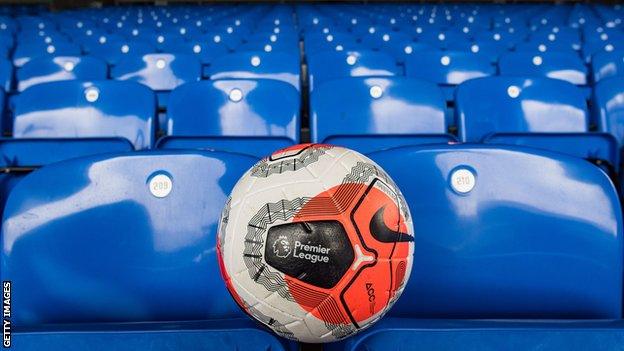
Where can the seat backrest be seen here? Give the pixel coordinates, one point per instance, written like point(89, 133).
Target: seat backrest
point(50, 69)
point(113, 51)
point(608, 103)
point(448, 67)
point(235, 115)
point(28, 51)
point(257, 65)
point(77, 109)
point(160, 72)
point(507, 232)
point(393, 111)
point(126, 231)
point(6, 75)
point(566, 66)
point(607, 64)
point(518, 105)
point(327, 65)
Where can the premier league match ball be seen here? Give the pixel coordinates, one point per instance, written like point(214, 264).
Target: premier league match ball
point(316, 242)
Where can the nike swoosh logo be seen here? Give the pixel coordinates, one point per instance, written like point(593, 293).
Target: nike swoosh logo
point(380, 231)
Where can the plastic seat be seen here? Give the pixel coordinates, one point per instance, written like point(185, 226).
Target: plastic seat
point(448, 68)
point(327, 65)
point(608, 102)
point(370, 114)
point(49, 69)
point(543, 113)
point(607, 64)
point(27, 51)
point(76, 109)
point(99, 225)
point(499, 241)
point(161, 72)
point(113, 52)
point(206, 52)
point(559, 65)
point(233, 115)
point(254, 65)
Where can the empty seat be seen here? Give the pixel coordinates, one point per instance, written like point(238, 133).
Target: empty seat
point(539, 112)
point(206, 52)
point(369, 114)
point(608, 102)
point(254, 64)
point(504, 233)
point(161, 72)
point(559, 65)
point(253, 117)
point(49, 69)
point(76, 109)
point(607, 64)
point(113, 51)
point(448, 68)
point(327, 65)
point(121, 233)
point(28, 51)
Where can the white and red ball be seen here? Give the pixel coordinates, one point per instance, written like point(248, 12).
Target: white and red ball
point(316, 242)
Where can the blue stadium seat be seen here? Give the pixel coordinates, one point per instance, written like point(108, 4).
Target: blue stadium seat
point(559, 65)
point(99, 226)
point(448, 68)
point(504, 233)
point(327, 65)
point(76, 109)
point(254, 64)
point(233, 115)
point(28, 51)
point(206, 52)
point(113, 52)
point(161, 72)
point(608, 103)
point(543, 113)
point(49, 69)
point(607, 64)
point(370, 114)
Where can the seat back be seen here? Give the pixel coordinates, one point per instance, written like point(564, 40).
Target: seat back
point(50, 69)
point(30, 50)
point(239, 115)
point(368, 114)
point(108, 238)
point(607, 64)
point(77, 109)
point(608, 102)
point(327, 65)
point(539, 112)
point(160, 72)
point(566, 66)
point(113, 51)
point(448, 67)
point(257, 65)
point(495, 238)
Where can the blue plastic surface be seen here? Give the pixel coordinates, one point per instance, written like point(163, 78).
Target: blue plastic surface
point(566, 66)
point(110, 251)
point(327, 65)
point(50, 69)
point(160, 72)
point(540, 112)
point(235, 115)
point(254, 65)
point(397, 110)
point(607, 64)
point(76, 109)
point(515, 246)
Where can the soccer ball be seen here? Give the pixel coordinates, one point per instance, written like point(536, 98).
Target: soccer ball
point(316, 242)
